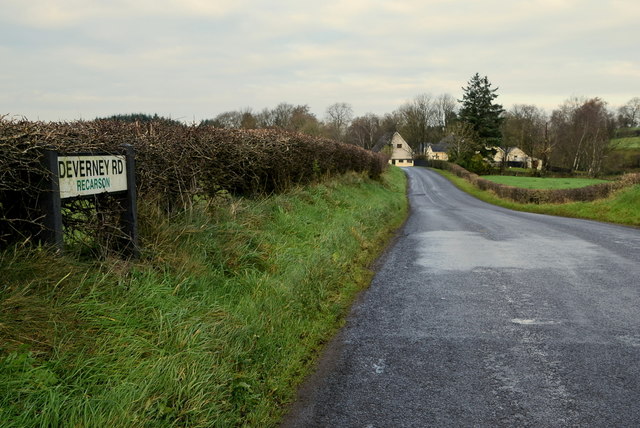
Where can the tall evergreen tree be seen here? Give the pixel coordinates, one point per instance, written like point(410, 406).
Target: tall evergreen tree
point(479, 110)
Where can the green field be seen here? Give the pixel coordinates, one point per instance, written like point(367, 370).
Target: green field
point(543, 182)
point(215, 326)
point(623, 207)
point(628, 143)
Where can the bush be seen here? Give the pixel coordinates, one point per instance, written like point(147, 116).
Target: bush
point(175, 163)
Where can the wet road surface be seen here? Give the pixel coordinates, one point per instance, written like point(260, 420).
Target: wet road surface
point(481, 316)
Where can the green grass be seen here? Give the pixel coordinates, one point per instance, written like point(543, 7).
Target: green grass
point(623, 207)
point(215, 326)
point(627, 143)
point(543, 182)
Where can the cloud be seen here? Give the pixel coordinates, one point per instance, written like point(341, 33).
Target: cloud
point(65, 13)
point(201, 57)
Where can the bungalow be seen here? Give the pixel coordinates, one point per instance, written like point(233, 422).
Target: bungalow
point(437, 151)
point(516, 157)
point(400, 153)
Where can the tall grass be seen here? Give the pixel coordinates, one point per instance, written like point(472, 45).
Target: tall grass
point(214, 327)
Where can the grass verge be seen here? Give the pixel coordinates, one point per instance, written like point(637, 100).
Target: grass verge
point(214, 327)
point(623, 207)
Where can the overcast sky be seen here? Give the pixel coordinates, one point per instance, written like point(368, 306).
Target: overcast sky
point(193, 59)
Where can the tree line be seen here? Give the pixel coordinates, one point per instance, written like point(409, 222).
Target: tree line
point(573, 137)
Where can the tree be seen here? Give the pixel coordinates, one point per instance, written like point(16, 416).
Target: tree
point(418, 117)
point(391, 122)
point(462, 141)
point(234, 119)
point(629, 114)
point(227, 119)
point(141, 117)
point(445, 111)
point(581, 130)
point(282, 115)
point(523, 127)
point(479, 110)
point(365, 131)
point(337, 117)
point(248, 119)
point(291, 117)
point(302, 120)
point(424, 119)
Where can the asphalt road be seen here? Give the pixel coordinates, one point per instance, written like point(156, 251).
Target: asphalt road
point(481, 316)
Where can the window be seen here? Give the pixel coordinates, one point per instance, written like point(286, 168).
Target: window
point(399, 145)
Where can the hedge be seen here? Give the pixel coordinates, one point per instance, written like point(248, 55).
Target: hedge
point(174, 162)
point(539, 196)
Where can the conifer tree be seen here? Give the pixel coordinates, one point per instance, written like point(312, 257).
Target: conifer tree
point(479, 111)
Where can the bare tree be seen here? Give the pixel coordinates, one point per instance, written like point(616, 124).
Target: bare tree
point(391, 122)
point(425, 118)
point(365, 131)
point(523, 127)
point(228, 119)
point(418, 116)
point(265, 118)
point(582, 130)
point(291, 117)
point(337, 118)
point(629, 114)
point(282, 115)
point(243, 118)
point(445, 107)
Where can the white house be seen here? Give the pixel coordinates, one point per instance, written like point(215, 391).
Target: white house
point(516, 155)
point(437, 151)
point(398, 149)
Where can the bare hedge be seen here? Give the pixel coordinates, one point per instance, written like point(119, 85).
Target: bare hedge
point(540, 196)
point(174, 162)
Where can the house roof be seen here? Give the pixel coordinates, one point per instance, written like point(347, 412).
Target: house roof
point(442, 146)
point(383, 141)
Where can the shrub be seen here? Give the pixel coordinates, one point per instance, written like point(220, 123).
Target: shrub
point(175, 163)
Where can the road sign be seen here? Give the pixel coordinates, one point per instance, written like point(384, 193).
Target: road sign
point(91, 174)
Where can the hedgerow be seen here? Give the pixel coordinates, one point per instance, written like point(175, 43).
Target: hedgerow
point(175, 163)
point(540, 196)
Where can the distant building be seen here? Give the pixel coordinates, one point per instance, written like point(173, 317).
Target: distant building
point(437, 151)
point(396, 147)
point(516, 158)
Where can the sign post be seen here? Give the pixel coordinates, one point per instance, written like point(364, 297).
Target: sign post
point(81, 175)
point(130, 215)
point(50, 202)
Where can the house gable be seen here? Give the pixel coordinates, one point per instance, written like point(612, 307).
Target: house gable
point(401, 153)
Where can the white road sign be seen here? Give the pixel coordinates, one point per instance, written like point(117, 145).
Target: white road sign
point(88, 175)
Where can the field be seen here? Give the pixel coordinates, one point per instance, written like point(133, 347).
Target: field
point(215, 325)
point(543, 182)
point(628, 143)
point(623, 207)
